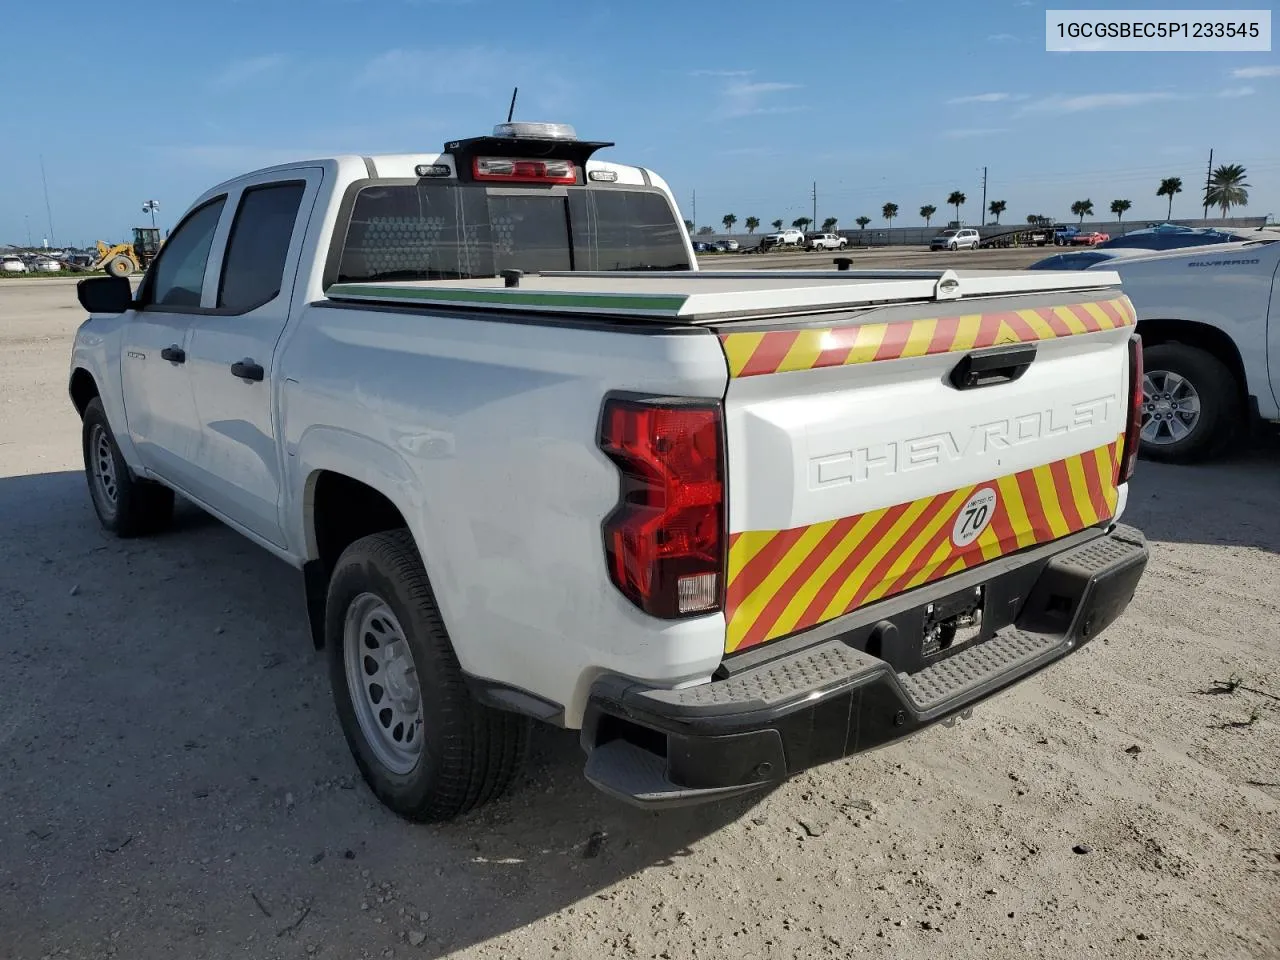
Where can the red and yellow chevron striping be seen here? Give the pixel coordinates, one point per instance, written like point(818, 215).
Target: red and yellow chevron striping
point(781, 351)
point(782, 581)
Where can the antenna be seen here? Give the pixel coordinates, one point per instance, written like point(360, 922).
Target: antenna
point(48, 211)
point(512, 109)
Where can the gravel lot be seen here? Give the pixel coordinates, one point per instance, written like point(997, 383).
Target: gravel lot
point(173, 782)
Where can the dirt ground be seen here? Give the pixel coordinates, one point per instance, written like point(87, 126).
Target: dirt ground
point(173, 782)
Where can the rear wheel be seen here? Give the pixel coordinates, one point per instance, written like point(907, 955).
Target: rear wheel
point(1190, 404)
point(426, 748)
point(125, 504)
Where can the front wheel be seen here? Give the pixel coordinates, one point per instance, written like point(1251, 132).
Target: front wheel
point(125, 505)
point(426, 748)
point(952, 246)
point(1190, 404)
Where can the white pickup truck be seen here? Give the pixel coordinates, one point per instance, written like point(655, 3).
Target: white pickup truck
point(532, 464)
point(1209, 318)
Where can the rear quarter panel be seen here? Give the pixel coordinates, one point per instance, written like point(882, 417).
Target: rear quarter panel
point(484, 434)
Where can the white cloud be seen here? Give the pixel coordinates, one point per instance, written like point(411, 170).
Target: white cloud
point(986, 98)
point(968, 133)
point(240, 72)
point(1233, 92)
point(742, 98)
point(1002, 38)
point(1095, 101)
point(721, 73)
point(443, 71)
point(1252, 73)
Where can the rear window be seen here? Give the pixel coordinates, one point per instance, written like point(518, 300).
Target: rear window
point(450, 231)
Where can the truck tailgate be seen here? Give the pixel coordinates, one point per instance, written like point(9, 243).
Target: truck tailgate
point(857, 470)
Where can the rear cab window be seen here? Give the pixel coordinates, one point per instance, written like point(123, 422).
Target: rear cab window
point(456, 231)
point(253, 267)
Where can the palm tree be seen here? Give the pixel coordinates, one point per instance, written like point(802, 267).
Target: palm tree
point(889, 211)
point(862, 222)
point(753, 224)
point(1227, 188)
point(927, 211)
point(957, 200)
point(1118, 207)
point(997, 207)
point(777, 224)
point(1082, 209)
point(729, 220)
point(802, 223)
point(688, 225)
point(829, 224)
point(1168, 187)
point(1034, 219)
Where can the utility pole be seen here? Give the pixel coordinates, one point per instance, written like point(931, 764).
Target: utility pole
point(1208, 181)
point(815, 204)
point(28, 220)
point(47, 210)
point(693, 211)
point(984, 195)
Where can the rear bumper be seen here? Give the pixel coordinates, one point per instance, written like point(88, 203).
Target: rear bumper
point(759, 725)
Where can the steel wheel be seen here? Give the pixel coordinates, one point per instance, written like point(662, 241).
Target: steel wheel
point(383, 683)
point(1170, 407)
point(104, 466)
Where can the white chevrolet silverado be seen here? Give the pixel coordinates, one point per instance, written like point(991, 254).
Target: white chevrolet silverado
point(1210, 321)
point(532, 464)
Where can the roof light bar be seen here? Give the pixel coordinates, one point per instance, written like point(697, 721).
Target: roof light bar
point(536, 131)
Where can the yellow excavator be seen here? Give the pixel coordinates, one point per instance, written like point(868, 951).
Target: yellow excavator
point(124, 259)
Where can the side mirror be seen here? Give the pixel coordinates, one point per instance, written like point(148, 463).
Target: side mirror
point(105, 294)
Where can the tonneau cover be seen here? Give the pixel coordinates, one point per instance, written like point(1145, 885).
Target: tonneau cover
point(705, 295)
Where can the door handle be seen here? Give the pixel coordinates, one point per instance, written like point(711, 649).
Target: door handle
point(174, 354)
point(246, 369)
point(990, 367)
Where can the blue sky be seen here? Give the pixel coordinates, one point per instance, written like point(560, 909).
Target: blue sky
point(747, 103)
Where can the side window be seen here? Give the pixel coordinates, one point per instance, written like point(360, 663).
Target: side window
point(177, 276)
point(253, 269)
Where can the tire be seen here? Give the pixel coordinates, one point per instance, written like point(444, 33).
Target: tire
point(1209, 382)
point(952, 246)
point(119, 266)
point(466, 754)
point(126, 505)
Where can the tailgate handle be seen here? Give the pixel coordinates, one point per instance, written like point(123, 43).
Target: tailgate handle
point(986, 369)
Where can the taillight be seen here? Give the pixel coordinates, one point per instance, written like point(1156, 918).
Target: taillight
point(524, 171)
point(664, 542)
point(1133, 429)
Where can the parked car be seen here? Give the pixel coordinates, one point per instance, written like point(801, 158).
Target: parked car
point(11, 263)
point(1209, 318)
point(1063, 235)
point(629, 504)
point(727, 246)
point(45, 265)
point(964, 238)
point(784, 238)
point(1090, 238)
point(825, 241)
point(1172, 236)
point(703, 246)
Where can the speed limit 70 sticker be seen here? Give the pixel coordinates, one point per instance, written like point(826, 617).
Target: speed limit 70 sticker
point(974, 517)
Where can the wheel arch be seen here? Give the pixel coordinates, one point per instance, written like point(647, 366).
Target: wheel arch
point(1203, 336)
point(339, 509)
point(82, 389)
